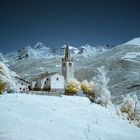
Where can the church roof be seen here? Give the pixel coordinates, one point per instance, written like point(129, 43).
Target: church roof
point(67, 52)
point(44, 75)
point(21, 80)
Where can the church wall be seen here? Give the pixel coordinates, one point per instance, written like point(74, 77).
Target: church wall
point(69, 70)
point(57, 82)
point(32, 85)
point(40, 84)
point(47, 83)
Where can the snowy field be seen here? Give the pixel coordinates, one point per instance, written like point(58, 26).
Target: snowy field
point(36, 117)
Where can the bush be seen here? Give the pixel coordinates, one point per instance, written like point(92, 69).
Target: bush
point(100, 93)
point(2, 87)
point(88, 89)
point(72, 87)
point(130, 109)
point(85, 87)
point(102, 96)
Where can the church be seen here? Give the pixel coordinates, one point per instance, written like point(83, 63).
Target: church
point(55, 82)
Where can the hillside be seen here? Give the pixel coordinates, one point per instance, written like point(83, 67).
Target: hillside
point(135, 41)
point(122, 63)
point(34, 117)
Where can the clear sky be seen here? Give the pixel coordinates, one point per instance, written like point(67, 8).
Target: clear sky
point(54, 22)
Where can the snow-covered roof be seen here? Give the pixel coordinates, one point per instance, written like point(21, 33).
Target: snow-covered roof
point(20, 80)
point(45, 75)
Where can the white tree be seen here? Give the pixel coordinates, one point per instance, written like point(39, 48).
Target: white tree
point(6, 76)
point(102, 94)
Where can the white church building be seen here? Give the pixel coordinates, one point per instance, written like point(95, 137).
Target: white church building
point(56, 82)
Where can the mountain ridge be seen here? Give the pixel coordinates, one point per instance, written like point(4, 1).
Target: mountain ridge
point(41, 51)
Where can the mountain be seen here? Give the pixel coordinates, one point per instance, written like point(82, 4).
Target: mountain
point(72, 49)
point(88, 51)
point(3, 59)
point(122, 63)
point(28, 52)
point(135, 41)
point(41, 51)
point(36, 52)
point(42, 58)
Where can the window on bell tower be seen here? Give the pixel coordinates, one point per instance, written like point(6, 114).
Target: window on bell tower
point(70, 64)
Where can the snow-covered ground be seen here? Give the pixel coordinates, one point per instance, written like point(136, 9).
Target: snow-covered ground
point(131, 55)
point(135, 41)
point(36, 117)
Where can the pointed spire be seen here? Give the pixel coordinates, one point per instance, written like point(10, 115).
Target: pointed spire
point(67, 52)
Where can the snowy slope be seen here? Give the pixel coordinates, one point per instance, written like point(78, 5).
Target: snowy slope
point(34, 117)
point(135, 41)
point(42, 49)
point(71, 48)
point(36, 52)
point(28, 52)
point(131, 56)
point(89, 51)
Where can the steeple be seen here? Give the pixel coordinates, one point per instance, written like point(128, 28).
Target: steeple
point(67, 52)
point(67, 64)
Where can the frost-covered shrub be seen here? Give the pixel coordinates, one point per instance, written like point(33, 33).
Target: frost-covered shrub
point(130, 109)
point(6, 77)
point(88, 89)
point(85, 87)
point(73, 86)
point(101, 93)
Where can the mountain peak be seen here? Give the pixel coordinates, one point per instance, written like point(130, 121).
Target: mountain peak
point(135, 41)
point(39, 45)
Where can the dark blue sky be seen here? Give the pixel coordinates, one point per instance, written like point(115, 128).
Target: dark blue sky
point(53, 22)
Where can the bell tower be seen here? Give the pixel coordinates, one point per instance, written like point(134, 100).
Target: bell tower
point(67, 64)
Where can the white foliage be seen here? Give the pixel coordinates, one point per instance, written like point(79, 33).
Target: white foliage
point(93, 86)
point(130, 109)
point(6, 76)
point(103, 95)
